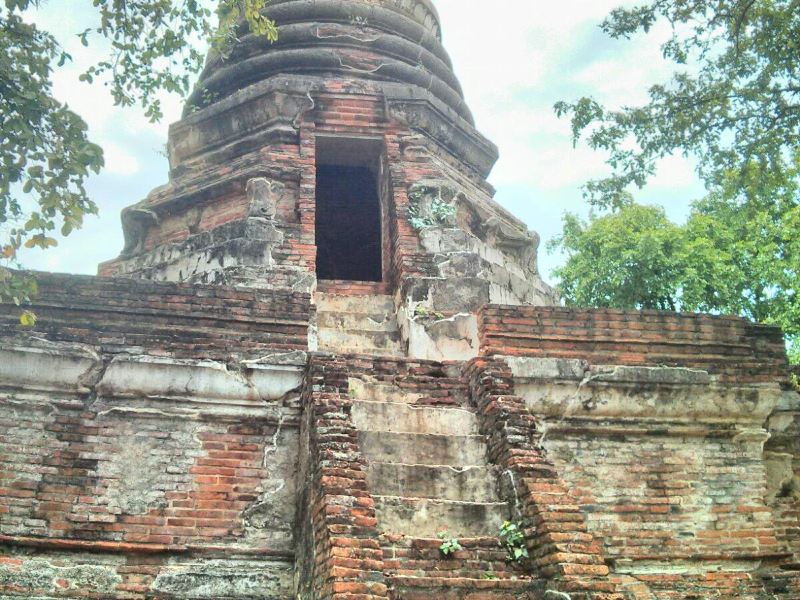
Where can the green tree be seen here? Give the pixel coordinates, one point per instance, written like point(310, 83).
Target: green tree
point(733, 104)
point(630, 258)
point(737, 253)
point(46, 155)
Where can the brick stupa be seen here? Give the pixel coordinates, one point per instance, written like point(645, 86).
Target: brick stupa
point(325, 347)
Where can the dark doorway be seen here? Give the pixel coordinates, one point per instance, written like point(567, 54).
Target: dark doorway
point(348, 224)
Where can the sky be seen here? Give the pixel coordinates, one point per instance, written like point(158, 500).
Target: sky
point(515, 60)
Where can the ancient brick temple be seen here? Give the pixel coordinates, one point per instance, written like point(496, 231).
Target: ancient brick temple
point(324, 347)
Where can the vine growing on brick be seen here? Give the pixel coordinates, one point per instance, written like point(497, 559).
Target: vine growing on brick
point(512, 537)
point(438, 213)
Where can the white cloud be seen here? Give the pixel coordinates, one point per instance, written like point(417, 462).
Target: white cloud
point(674, 172)
point(532, 124)
point(546, 167)
point(625, 78)
point(510, 58)
point(119, 161)
point(510, 45)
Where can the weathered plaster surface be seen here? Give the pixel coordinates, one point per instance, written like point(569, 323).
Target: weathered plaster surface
point(155, 454)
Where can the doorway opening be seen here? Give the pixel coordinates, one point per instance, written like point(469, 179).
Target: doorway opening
point(348, 210)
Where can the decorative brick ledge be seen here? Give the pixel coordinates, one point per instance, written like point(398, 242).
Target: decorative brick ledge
point(731, 348)
point(161, 318)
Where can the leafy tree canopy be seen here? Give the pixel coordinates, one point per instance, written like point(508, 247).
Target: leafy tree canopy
point(630, 258)
point(734, 104)
point(46, 155)
point(737, 253)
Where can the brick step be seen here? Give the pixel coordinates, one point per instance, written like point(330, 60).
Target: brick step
point(357, 321)
point(424, 517)
point(425, 449)
point(416, 388)
point(479, 558)
point(472, 484)
point(382, 392)
point(423, 588)
point(381, 343)
point(403, 418)
point(377, 304)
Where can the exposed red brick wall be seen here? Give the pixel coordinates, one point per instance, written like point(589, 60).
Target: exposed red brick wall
point(422, 559)
point(661, 500)
point(164, 318)
point(60, 478)
point(339, 112)
point(344, 508)
point(340, 109)
point(562, 549)
point(135, 572)
point(787, 523)
point(432, 382)
point(86, 486)
point(727, 585)
point(591, 500)
point(784, 442)
point(735, 349)
point(303, 157)
point(344, 559)
point(230, 207)
point(784, 585)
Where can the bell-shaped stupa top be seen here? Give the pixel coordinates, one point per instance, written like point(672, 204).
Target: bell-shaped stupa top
point(341, 156)
point(379, 40)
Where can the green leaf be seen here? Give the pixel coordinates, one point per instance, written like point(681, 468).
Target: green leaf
point(150, 47)
point(27, 319)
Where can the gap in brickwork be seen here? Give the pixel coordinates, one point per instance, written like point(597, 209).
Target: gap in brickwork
point(348, 210)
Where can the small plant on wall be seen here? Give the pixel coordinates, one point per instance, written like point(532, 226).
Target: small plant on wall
point(420, 312)
point(427, 208)
point(513, 538)
point(449, 545)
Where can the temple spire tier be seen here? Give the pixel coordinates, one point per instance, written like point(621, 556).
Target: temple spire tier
point(396, 41)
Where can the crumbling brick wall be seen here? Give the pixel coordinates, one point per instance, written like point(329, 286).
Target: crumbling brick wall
point(340, 555)
point(660, 479)
point(564, 552)
point(123, 315)
point(141, 455)
point(147, 450)
point(734, 349)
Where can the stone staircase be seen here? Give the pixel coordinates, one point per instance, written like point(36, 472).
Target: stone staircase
point(362, 324)
point(428, 474)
